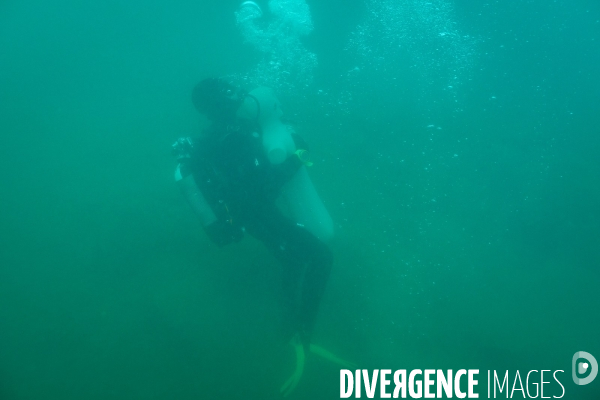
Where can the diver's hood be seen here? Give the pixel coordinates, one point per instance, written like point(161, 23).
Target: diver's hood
point(217, 99)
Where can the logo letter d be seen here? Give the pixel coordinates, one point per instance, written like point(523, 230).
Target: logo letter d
point(583, 368)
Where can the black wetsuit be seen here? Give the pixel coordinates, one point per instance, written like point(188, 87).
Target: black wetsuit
point(241, 185)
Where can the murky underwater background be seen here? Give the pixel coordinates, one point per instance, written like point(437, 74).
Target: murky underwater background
point(456, 145)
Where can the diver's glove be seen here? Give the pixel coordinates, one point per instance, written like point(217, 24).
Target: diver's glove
point(222, 232)
point(182, 149)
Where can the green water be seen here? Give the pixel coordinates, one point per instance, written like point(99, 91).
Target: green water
point(476, 245)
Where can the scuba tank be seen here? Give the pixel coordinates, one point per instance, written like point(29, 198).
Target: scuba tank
point(262, 106)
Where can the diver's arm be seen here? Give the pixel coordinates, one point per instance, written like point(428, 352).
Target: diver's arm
point(220, 232)
point(194, 196)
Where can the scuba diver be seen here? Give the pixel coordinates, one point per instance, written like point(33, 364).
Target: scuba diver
point(247, 174)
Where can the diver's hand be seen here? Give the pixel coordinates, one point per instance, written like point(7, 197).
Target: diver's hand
point(182, 149)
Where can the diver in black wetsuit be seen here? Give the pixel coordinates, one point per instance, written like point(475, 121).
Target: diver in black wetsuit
point(232, 184)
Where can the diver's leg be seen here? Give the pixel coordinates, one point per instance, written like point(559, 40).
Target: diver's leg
point(318, 268)
point(307, 264)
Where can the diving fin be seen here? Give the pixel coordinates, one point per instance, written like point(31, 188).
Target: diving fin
point(318, 350)
point(289, 386)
